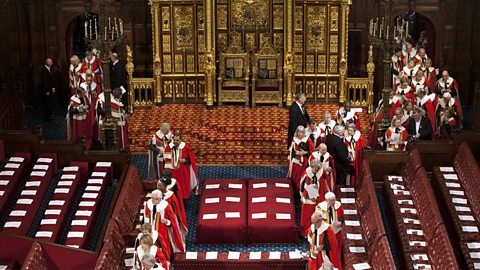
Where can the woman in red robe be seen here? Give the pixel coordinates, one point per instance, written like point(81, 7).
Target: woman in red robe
point(355, 143)
point(173, 186)
point(147, 247)
point(158, 240)
point(299, 152)
point(78, 119)
point(396, 136)
point(172, 200)
point(447, 126)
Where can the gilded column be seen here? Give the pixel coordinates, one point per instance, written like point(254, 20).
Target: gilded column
point(370, 70)
point(210, 57)
point(343, 68)
point(289, 54)
point(157, 65)
point(130, 67)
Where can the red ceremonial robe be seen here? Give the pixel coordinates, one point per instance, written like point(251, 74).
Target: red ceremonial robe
point(327, 162)
point(314, 136)
point(119, 114)
point(408, 72)
point(454, 106)
point(161, 141)
point(406, 56)
point(186, 174)
point(344, 118)
point(355, 145)
point(326, 129)
point(75, 77)
point(402, 137)
point(446, 129)
point(321, 180)
point(177, 190)
point(397, 65)
point(178, 210)
point(318, 237)
point(95, 66)
point(418, 84)
point(420, 61)
point(431, 76)
point(337, 216)
point(407, 92)
point(156, 252)
point(158, 241)
point(89, 89)
point(429, 103)
point(296, 163)
point(78, 125)
point(170, 230)
point(450, 84)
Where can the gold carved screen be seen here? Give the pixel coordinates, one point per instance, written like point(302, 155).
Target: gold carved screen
point(181, 29)
point(317, 40)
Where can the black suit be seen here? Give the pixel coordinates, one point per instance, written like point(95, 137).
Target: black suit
point(339, 152)
point(425, 128)
point(118, 77)
point(297, 118)
point(46, 85)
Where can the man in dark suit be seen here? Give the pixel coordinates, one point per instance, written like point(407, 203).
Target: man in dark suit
point(337, 148)
point(47, 88)
point(118, 76)
point(419, 127)
point(298, 116)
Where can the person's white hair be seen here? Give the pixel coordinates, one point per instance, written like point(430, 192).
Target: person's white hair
point(299, 96)
point(315, 162)
point(339, 130)
point(156, 193)
point(165, 125)
point(148, 259)
point(352, 126)
point(447, 95)
point(327, 113)
point(329, 196)
point(299, 129)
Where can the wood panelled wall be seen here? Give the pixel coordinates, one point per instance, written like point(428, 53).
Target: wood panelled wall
point(34, 29)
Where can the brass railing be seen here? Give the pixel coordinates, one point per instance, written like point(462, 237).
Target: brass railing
point(360, 90)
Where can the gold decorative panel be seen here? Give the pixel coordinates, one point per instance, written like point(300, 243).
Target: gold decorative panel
point(321, 89)
point(165, 18)
point(201, 63)
point(166, 43)
point(167, 89)
point(222, 16)
point(298, 45)
point(167, 63)
point(179, 63)
point(200, 18)
point(322, 64)
point(278, 17)
point(191, 63)
point(191, 89)
point(179, 89)
point(310, 64)
point(250, 41)
point(250, 14)
point(278, 40)
point(299, 18)
point(332, 89)
point(222, 41)
point(298, 65)
point(299, 87)
point(201, 88)
point(333, 43)
point(310, 89)
point(316, 28)
point(183, 27)
point(201, 42)
point(334, 18)
point(333, 64)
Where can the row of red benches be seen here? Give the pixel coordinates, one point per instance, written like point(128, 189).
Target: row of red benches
point(365, 240)
point(422, 235)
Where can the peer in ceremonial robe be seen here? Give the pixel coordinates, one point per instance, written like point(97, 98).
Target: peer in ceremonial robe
point(404, 119)
point(421, 57)
point(408, 53)
point(78, 121)
point(75, 73)
point(396, 136)
point(447, 125)
point(397, 66)
point(173, 186)
point(158, 143)
point(313, 132)
point(347, 115)
point(149, 263)
point(408, 106)
point(355, 143)
point(92, 63)
point(321, 237)
point(172, 200)
point(158, 240)
point(300, 150)
point(409, 71)
point(430, 75)
point(447, 84)
point(405, 90)
point(332, 214)
point(313, 186)
point(419, 127)
point(91, 93)
point(147, 247)
point(448, 102)
point(160, 214)
point(327, 162)
point(418, 81)
point(428, 102)
point(118, 113)
point(179, 158)
point(326, 127)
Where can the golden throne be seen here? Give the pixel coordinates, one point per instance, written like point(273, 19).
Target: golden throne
point(234, 75)
point(267, 81)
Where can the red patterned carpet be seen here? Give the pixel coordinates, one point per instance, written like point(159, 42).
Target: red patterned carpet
point(226, 135)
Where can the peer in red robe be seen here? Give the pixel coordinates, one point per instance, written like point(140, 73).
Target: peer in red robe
point(180, 160)
point(408, 53)
point(74, 74)
point(355, 143)
point(447, 125)
point(160, 214)
point(428, 102)
point(157, 145)
point(299, 152)
point(397, 66)
point(332, 213)
point(408, 71)
point(174, 186)
point(419, 81)
point(118, 113)
point(158, 240)
point(91, 92)
point(347, 115)
point(92, 63)
point(313, 186)
point(447, 84)
point(172, 200)
point(313, 131)
point(448, 102)
point(396, 136)
point(421, 58)
point(405, 90)
point(430, 74)
point(78, 121)
point(147, 247)
point(326, 127)
point(327, 162)
point(321, 237)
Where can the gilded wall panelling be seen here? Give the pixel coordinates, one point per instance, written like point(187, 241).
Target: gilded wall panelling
point(250, 41)
point(201, 88)
point(333, 43)
point(310, 89)
point(165, 18)
point(334, 19)
point(321, 89)
point(222, 17)
point(278, 39)
point(191, 89)
point(201, 63)
point(200, 18)
point(190, 63)
point(310, 63)
point(250, 14)
point(333, 64)
point(166, 43)
point(179, 89)
point(167, 63)
point(222, 41)
point(277, 17)
point(316, 18)
point(184, 27)
point(322, 63)
point(298, 43)
point(167, 89)
point(332, 89)
point(201, 43)
point(179, 63)
point(299, 18)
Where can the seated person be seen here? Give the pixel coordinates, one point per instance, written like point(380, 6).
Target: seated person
point(396, 136)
